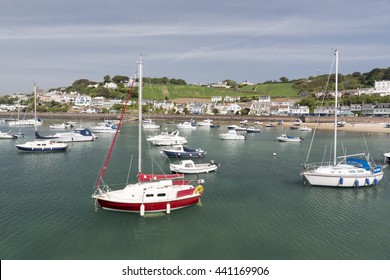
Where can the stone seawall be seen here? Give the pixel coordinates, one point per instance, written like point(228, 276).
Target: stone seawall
point(181, 118)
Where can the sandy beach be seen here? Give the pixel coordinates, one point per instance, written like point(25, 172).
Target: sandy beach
point(369, 125)
point(353, 127)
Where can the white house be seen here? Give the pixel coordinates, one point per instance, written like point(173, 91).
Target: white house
point(260, 108)
point(247, 83)
point(228, 99)
point(382, 109)
point(7, 108)
point(234, 108)
point(298, 110)
point(110, 85)
point(215, 99)
point(380, 87)
point(219, 85)
point(324, 110)
point(264, 99)
point(83, 100)
point(222, 109)
point(97, 101)
point(279, 109)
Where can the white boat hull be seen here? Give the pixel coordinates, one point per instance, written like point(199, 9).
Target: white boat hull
point(160, 196)
point(199, 169)
point(169, 142)
point(241, 137)
point(42, 146)
point(342, 178)
point(5, 135)
point(231, 134)
point(286, 138)
point(189, 167)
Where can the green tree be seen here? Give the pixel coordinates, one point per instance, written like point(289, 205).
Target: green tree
point(386, 74)
point(231, 83)
point(283, 79)
point(107, 79)
point(82, 83)
point(102, 91)
point(118, 79)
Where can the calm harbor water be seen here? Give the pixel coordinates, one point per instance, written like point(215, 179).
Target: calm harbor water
point(254, 207)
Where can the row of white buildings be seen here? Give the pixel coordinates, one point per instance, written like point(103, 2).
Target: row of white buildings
point(264, 106)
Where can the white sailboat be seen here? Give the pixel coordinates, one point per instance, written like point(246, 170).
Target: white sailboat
point(344, 171)
point(46, 145)
point(143, 197)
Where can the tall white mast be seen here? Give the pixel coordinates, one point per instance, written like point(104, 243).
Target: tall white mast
point(335, 107)
point(35, 107)
point(140, 64)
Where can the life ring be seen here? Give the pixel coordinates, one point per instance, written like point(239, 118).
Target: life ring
point(199, 190)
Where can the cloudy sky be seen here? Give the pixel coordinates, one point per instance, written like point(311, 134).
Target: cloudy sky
point(55, 42)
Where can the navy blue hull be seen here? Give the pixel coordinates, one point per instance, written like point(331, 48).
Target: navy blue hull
point(38, 150)
point(183, 154)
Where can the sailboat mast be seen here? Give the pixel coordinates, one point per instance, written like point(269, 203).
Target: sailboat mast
point(35, 108)
point(140, 64)
point(335, 107)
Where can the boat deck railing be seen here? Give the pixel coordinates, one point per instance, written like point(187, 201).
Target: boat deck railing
point(315, 165)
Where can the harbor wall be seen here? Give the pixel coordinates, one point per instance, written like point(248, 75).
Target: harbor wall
point(180, 118)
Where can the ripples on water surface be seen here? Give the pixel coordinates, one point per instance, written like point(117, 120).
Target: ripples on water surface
point(254, 207)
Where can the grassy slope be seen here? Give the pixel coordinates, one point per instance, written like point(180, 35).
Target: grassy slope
point(171, 92)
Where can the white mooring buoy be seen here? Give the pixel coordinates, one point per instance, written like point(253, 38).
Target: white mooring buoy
point(142, 210)
point(168, 208)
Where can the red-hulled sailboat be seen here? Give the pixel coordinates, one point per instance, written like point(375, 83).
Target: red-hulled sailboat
point(152, 192)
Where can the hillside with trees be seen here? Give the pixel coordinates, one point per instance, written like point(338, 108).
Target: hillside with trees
point(303, 90)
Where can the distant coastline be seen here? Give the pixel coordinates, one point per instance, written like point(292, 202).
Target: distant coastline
point(357, 124)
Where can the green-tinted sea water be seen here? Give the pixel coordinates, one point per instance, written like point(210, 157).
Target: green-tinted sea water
point(254, 207)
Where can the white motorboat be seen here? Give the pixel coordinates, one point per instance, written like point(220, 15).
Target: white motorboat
point(236, 127)
point(297, 122)
point(7, 135)
point(253, 129)
point(386, 157)
point(241, 128)
point(288, 138)
point(206, 122)
point(341, 123)
point(189, 167)
point(151, 125)
point(166, 139)
point(232, 126)
point(60, 126)
point(231, 134)
point(187, 125)
point(104, 128)
point(305, 128)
